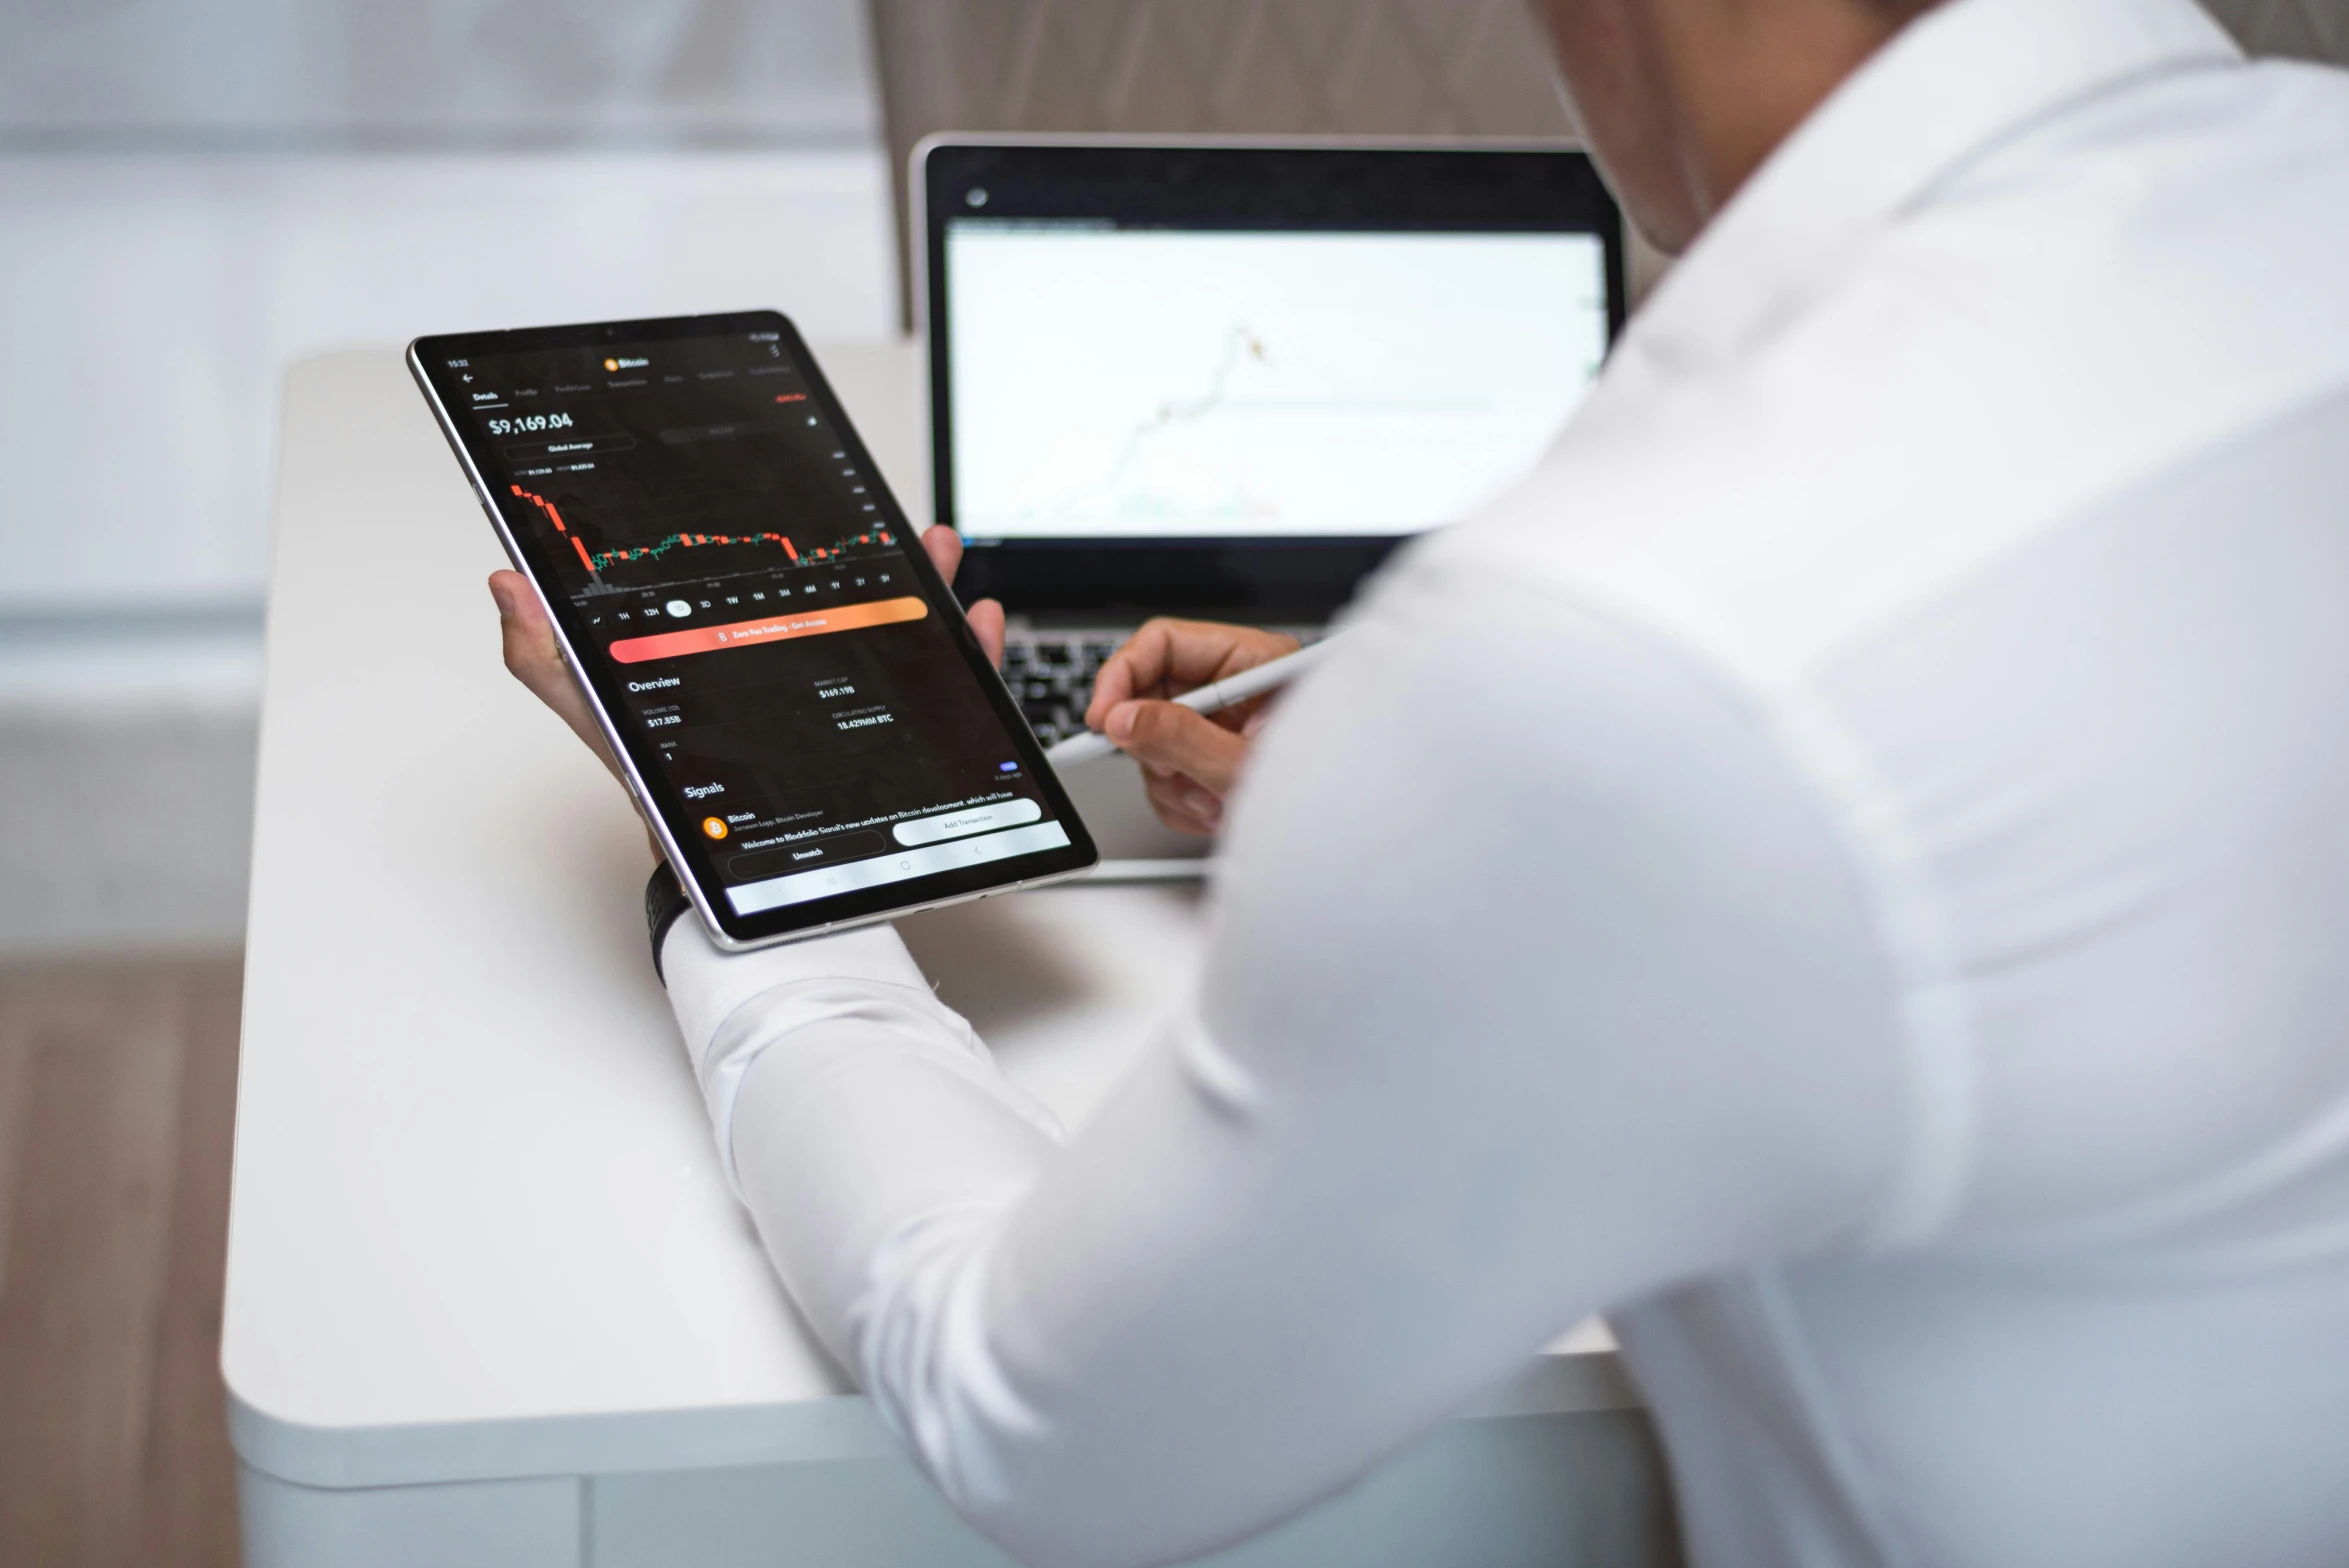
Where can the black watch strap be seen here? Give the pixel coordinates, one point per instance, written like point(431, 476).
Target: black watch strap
point(664, 901)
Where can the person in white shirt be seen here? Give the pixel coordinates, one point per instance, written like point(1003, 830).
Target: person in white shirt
point(1845, 870)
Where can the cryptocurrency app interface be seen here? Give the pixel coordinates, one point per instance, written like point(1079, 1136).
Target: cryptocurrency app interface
point(752, 606)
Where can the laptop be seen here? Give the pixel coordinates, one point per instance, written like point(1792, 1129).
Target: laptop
point(1225, 380)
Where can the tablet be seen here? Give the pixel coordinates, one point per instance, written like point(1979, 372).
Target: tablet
point(814, 733)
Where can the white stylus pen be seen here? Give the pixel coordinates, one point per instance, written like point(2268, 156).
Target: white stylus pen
point(1213, 697)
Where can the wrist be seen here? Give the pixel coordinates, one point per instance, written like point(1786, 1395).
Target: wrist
point(664, 904)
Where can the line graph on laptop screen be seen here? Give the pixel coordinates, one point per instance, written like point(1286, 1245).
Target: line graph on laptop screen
point(1157, 384)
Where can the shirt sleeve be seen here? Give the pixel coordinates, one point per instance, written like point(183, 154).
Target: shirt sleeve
point(1537, 984)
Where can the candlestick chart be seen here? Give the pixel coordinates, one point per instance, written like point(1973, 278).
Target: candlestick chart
point(697, 552)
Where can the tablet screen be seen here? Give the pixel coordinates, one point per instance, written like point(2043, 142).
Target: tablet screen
point(794, 685)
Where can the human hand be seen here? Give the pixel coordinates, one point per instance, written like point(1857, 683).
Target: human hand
point(535, 658)
point(1190, 761)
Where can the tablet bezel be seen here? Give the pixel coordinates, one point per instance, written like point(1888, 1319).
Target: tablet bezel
point(666, 811)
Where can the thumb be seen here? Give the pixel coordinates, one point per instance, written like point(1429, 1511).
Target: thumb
point(1169, 738)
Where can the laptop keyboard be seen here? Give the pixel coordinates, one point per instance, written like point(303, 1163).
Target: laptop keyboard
point(1051, 677)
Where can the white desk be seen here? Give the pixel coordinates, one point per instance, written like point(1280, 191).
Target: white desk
point(488, 1300)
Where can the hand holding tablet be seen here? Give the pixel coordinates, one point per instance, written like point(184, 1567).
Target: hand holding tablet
point(816, 735)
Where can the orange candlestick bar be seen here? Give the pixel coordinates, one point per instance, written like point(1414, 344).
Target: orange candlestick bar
point(544, 505)
point(742, 634)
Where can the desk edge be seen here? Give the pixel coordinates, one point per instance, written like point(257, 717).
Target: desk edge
point(842, 1426)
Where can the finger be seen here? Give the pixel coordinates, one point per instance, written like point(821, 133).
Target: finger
point(1136, 668)
point(1171, 739)
point(1167, 653)
point(1180, 804)
point(532, 654)
point(1183, 804)
point(1168, 657)
point(535, 658)
point(944, 547)
point(986, 618)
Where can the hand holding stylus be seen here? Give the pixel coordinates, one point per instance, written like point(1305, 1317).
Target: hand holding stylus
point(1214, 697)
point(1191, 759)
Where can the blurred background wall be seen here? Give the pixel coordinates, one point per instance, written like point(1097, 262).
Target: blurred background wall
point(195, 192)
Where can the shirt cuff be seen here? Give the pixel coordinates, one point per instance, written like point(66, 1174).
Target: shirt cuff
point(732, 1007)
point(706, 984)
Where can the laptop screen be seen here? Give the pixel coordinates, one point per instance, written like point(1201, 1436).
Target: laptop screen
point(1230, 378)
point(1158, 383)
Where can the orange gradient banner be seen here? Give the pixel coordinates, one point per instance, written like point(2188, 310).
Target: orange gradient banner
point(775, 628)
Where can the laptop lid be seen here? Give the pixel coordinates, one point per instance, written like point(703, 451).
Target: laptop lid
point(1225, 379)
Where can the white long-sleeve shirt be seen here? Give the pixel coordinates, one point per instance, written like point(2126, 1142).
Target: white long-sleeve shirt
point(1846, 870)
